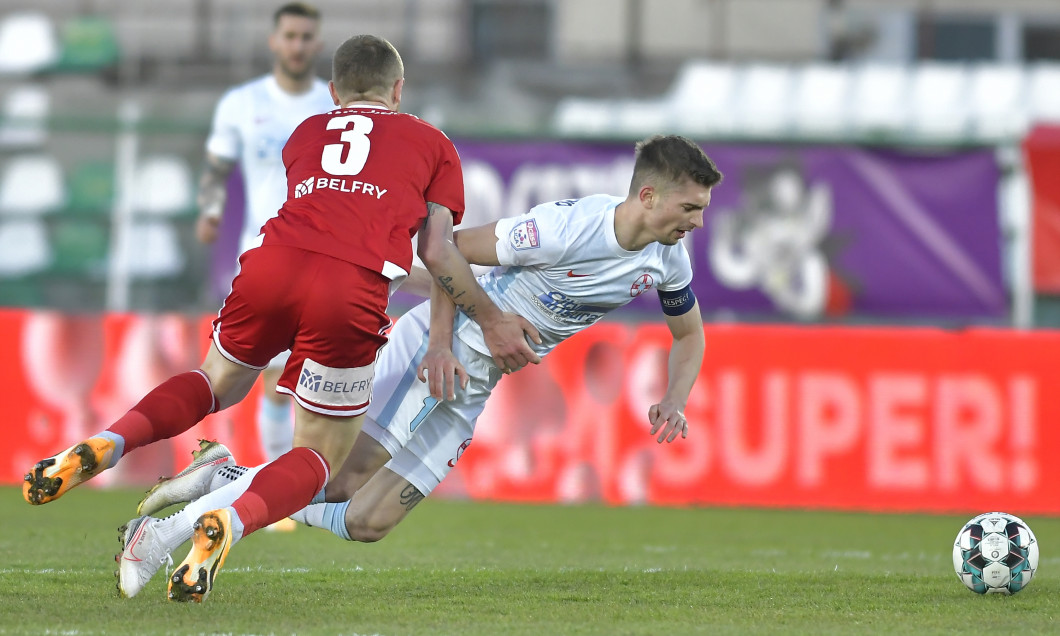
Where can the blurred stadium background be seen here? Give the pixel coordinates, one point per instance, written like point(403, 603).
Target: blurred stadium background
point(878, 274)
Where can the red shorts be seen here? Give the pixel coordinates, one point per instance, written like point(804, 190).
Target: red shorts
point(331, 315)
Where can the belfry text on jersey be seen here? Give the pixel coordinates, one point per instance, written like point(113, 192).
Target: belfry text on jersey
point(341, 185)
point(561, 308)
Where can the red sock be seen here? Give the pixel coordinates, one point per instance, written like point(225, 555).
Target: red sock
point(168, 410)
point(282, 488)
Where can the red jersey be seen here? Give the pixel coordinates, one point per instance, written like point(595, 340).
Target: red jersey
point(358, 183)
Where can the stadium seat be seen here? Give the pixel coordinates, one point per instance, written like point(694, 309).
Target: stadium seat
point(24, 247)
point(822, 97)
point(576, 117)
point(154, 251)
point(763, 100)
point(879, 99)
point(1043, 92)
point(27, 43)
point(88, 43)
point(23, 120)
point(162, 186)
point(996, 98)
point(92, 188)
point(32, 184)
point(80, 248)
point(701, 98)
point(640, 118)
point(939, 101)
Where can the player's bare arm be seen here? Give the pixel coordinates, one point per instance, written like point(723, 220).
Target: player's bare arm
point(212, 196)
point(503, 331)
point(478, 244)
point(439, 367)
point(667, 418)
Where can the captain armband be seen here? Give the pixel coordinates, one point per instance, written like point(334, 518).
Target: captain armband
point(675, 303)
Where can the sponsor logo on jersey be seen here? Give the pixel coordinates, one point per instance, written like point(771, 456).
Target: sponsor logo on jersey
point(329, 386)
point(459, 452)
point(339, 185)
point(310, 380)
point(643, 283)
point(525, 236)
point(571, 274)
point(562, 308)
point(304, 187)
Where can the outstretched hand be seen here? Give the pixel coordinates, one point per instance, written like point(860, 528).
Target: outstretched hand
point(667, 421)
point(441, 371)
point(506, 339)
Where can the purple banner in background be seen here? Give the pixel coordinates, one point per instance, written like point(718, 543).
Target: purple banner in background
point(795, 232)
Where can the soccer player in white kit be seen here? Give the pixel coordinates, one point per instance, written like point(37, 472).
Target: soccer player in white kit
point(251, 124)
point(563, 266)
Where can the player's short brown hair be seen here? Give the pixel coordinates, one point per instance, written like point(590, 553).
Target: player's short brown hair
point(365, 65)
point(666, 160)
point(300, 9)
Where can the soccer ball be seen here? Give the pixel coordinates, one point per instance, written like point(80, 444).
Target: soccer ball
point(995, 553)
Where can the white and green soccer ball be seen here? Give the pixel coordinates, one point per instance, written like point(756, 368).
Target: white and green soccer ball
point(995, 553)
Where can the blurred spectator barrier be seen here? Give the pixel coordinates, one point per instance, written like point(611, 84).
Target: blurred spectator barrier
point(884, 419)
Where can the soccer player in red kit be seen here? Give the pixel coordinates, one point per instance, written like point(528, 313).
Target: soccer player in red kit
point(362, 181)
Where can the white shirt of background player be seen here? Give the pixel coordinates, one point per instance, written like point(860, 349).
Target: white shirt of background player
point(251, 124)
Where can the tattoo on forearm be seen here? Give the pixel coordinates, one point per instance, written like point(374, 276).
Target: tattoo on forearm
point(410, 496)
point(446, 283)
point(212, 187)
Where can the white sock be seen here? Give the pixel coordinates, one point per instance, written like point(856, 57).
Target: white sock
point(312, 515)
point(275, 427)
point(178, 528)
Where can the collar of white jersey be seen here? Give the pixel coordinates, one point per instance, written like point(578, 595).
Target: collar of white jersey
point(609, 232)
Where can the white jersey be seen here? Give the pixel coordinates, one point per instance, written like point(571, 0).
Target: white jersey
point(563, 269)
point(251, 125)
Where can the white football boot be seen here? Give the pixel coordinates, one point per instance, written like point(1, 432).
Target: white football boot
point(143, 553)
point(189, 484)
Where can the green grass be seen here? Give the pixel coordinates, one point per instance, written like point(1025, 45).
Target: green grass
point(464, 568)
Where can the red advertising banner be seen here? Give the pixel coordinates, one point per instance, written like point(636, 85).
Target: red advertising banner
point(843, 418)
point(1042, 150)
point(65, 377)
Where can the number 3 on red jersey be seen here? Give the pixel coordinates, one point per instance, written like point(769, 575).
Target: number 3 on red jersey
point(357, 139)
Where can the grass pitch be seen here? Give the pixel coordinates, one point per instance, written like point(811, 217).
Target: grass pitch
point(466, 568)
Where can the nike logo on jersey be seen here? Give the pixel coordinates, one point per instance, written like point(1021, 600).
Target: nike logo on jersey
point(571, 274)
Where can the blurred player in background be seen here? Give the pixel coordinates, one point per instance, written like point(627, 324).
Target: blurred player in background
point(563, 265)
point(364, 179)
point(251, 124)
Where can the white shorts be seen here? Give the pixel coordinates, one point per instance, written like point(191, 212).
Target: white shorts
point(280, 361)
point(424, 437)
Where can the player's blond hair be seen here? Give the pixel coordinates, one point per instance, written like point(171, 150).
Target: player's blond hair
point(365, 67)
point(664, 161)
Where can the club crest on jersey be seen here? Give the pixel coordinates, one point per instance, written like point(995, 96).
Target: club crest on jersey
point(525, 236)
point(643, 283)
point(304, 187)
